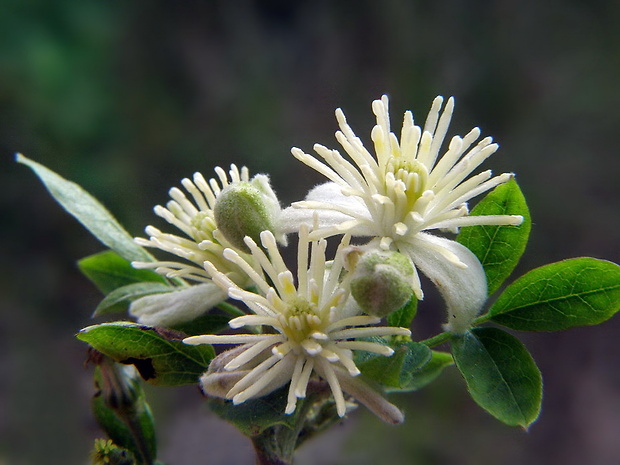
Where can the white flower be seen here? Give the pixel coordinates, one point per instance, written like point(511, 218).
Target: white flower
point(311, 328)
point(406, 190)
point(195, 218)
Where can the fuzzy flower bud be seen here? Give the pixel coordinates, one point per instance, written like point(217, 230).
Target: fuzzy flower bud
point(381, 282)
point(247, 209)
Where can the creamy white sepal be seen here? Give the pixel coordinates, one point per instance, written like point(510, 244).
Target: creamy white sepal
point(456, 272)
point(328, 201)
point(178, 306)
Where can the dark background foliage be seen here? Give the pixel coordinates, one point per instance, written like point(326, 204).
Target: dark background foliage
point(127, 98)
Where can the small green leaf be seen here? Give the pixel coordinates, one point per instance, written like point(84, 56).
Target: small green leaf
point(562, 295)
point(397, 370)
point(158, 354)
point(426, 373)
point(403, 317)
point(254, 416)
point(501, 375)
point(119, 299)
point(108, 271)
point(88, 211)
point(209, 323)
point(499, 248)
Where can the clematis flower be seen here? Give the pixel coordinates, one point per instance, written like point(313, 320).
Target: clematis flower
point(203, 241)
point(309, 329)
point(404, 191)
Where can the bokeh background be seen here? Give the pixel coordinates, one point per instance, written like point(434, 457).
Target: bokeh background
point(128, 97)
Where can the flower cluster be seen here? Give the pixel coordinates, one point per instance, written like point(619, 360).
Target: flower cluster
point(309, 326)
point(402, 192)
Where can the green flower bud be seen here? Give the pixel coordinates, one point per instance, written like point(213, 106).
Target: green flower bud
point(381, 282)
point(247, 209)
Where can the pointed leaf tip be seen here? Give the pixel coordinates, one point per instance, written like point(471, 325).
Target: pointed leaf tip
point(88, 211)
point(159, 354)
point(575, 292)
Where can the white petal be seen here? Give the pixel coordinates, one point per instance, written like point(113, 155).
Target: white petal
point(463, 289)
point(330, 214)
point(218, 384)
point(177, 306)
point(292, 218)
point(330, 192)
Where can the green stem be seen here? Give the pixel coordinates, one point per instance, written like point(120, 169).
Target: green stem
point(443, 337)
point(275, 446)
point(436, 340)
point(481, 319)
point(133, 423)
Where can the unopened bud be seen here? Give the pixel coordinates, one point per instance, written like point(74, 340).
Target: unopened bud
point(381, 282)
point(247, 209)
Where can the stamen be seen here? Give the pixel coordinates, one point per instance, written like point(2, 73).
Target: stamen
point(327, 372)
point(251, 352)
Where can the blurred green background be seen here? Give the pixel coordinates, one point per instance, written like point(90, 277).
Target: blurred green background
point(128, 97)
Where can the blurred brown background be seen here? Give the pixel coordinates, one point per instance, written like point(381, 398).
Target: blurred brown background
point(127, 98)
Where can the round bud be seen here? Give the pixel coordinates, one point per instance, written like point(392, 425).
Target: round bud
point(381, 282)
point(247, 209)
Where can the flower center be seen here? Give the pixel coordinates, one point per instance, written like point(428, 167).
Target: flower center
point(411, 177)
point(203, 225)
point(303, 327)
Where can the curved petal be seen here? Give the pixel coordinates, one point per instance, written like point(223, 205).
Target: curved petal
point(456, 272)
point(177, 306)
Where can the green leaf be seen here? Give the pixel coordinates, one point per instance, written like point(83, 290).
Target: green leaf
point(119, 299)
point(397, 370)
point(501, 375)
point(562, 295)
point(209, 323)
point(158, 354)
point(88, 211)
point(129, 421)
point(254, 416)
point(427, 373)
point(499, 248)
point(404, 316)
point(108, 271)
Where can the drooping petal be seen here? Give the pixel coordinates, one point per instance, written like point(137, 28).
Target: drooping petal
point(368, 397)
point(456, 272)
point(178, 306)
